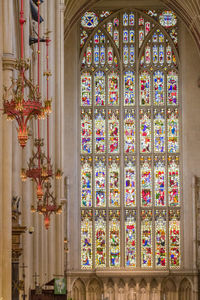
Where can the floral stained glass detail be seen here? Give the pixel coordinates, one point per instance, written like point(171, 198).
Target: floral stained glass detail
point(83, 38)
point(86, 132)
point(100, 131)
point(129, 88)
point(146, 183)
point(173, 182)
point(99, 87)
point(172, 88)
point(129, 132)
point(158, 88)
point(130, 238)
point(159, 182)
point(100, 182)
point(89, 20)
point(146, 239)
point(159, 132)
point(86, 89)
point(86, 183)
point(145, 88)
point(86, 239)
point(174, 239)
point(100, 238)
point(130, 183)
point(173, 131)
point(145, 132)
point(160, 239)
point(114, 184)
point(167, 19)
point(113, 89)
point(114, 238)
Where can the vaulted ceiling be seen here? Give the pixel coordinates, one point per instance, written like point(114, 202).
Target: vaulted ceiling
point(187, 10)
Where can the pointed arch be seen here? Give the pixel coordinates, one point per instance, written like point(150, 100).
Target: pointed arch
point(169, 289)
point(185, 290)
point(78, 290)
point(94, 290)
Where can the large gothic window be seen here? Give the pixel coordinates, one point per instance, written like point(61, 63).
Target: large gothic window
point(130, 195)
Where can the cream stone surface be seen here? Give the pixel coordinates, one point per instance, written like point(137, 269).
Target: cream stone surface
point(43, 251)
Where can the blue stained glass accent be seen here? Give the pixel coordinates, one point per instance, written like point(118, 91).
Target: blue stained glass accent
point(125, 19)
point(132, 36)
point(89, 20)
point(96, 55)
point(132, 54)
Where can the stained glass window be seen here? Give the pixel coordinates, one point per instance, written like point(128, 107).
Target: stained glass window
point(174, 238)
point(100, 238)
point(129, 132)
point(86, 239)
point(130, 238)
point(114, 238)
point(130, 174)
point(146, 239)
point(146, 182)
point(130, 183)
point(160, 239)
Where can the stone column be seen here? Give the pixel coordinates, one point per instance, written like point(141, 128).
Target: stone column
point(6, 155)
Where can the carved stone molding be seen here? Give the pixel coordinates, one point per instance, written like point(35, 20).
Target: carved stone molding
point(8, 62)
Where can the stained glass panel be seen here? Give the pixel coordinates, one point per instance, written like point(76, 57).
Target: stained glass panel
point(102, 55)
point(147, 55)
point(89, 56)
point(172, 88)
point(158, 88)
point(100, 182)
point(131, 36)
point(100, 131)
point(173, 182)
point(169, 54)
point(114, 239)
point(141, 36)
point(99, 86)
point(125, 36)
point(86, 183)
point(174, 239)
point(145, 132)
point(102, 38)
point(146, 182)
point(155, 54)
point(110, 28)
point(173, 131)
point(130, 238)
point(115, 22)
point(89, 20)
point(130, 183)
point(83, 38)
point(86, 132)
point(125, 55)
point(86, 239)
point(167, 19)
point(147, 27)
point(116, 37)
point(114, 183)
point(100, 238)
point(129, 88)
point(144, 88)
point(159, 182)
point(146, 239)
point(113, 89)
point(132, 55)
point(160, 239)
point(161, 54)
point(86, 89)
point(159, 132)
point(125, 19)
point(131, 19)
point(129, 132)
point(96, 38)
point(96, 55)
point(110, 55)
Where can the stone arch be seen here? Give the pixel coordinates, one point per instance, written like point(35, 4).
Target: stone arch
point(110, 292)
point(185, 290)
point(94, 290)
point(78, 290)
point(131, 290)
point(154, 291)
point(143, 291)
point(169, 289)
point(121, 290)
